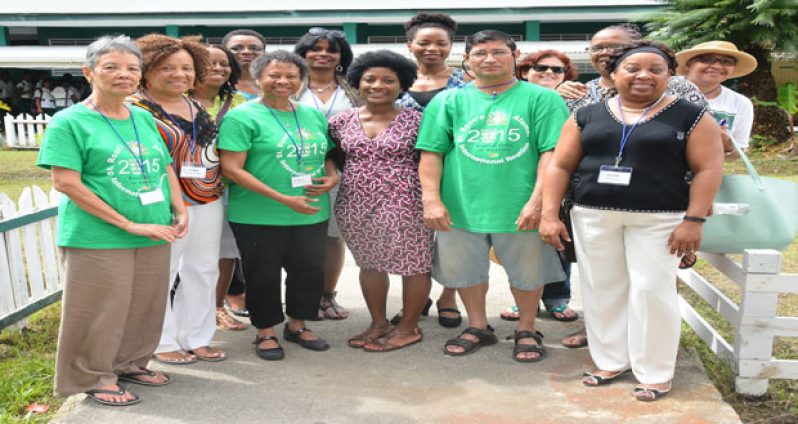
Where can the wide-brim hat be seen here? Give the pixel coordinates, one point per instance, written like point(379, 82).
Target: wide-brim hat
point(745, 62)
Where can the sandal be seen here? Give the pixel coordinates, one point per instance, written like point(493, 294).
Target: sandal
point(318, 344)
point(484, 338)
point(449, 322)
point(243, 312)
point(650, 394)
point(184, 359)
point(131, 377)
point(226, 322)
point(385, 344)
point(510, 314)
point(523, 348)
point(558, 313)
point(688, 260)
point(213, 354)
point(270, 353)
point(593, 379)
point(424, 312)
point(581, 339)
point(372, 333)
point(92, 394)
point(330, 309)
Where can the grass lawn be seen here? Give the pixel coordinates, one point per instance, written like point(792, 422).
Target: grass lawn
point(26, 357)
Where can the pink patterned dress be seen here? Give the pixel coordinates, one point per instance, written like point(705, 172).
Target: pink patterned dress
point(379, 205)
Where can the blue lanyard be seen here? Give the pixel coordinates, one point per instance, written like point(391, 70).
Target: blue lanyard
point(192, 144)
point(625, 134)
point(140, 157)
point(332, 103)
point(297, 148)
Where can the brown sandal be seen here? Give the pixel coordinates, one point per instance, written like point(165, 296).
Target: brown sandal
point(227, 322)
point(372, 333)
point(387, 344)
point(330, 309)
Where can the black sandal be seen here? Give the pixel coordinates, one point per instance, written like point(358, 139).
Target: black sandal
point(92, 394)
point(449, 322)
point(523, 348)
point(130, 377)
point(591, 379)
point(688, 260)
point(269, 354)
point(484, 338)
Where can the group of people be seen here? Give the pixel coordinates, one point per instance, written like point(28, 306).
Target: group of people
point(192, 168)
point(37, 95)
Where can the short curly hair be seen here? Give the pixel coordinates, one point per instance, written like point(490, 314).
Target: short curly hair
point(155, 48)
point(571, 74)
point(618, 56)
point(405, 68)
point(430, 20)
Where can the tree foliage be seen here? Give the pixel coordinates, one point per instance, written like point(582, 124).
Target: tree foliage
point(749, 24)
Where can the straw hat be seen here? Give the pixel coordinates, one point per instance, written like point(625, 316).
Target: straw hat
point(745, 62)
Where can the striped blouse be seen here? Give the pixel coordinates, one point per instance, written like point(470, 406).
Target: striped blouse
point(177, 135)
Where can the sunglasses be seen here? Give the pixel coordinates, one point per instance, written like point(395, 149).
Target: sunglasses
point(317, 31)
point(544, 68)
point(723, 60)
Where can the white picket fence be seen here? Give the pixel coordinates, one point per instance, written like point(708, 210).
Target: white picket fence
point(25, 131)
point(29, 271)
point(755, 320)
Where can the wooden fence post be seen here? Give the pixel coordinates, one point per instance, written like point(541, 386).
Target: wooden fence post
point(753, 343)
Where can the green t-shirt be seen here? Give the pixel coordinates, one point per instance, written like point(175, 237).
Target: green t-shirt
point(272, 159)
point(79, 139)
point(491, 150)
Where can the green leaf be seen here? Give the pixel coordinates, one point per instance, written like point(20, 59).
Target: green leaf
point(788, 98)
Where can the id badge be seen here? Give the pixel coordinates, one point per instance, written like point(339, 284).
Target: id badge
point(192, 170)
point(301, 180)
point(615, 175)
point(150, 197)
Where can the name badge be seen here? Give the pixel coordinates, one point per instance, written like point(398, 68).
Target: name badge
point(615, 175)
point(301, 180)
point(150, 197)
point(192, 170)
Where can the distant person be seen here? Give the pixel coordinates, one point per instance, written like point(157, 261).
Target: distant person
point(43, 99)
point(247, 45)
point(120, 209)
point(24, 90)
point(65, 93)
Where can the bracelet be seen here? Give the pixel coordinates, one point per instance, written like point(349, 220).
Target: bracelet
point(695, 219)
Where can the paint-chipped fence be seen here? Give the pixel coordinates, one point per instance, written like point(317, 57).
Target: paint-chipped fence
point(29, 271)
point(755, 319)
point(25, 131)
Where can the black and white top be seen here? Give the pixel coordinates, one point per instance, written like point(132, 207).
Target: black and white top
point(656, 151)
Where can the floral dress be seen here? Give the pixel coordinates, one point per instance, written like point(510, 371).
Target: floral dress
point(379, 205)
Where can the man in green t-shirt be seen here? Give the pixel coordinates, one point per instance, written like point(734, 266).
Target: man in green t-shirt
point(482, 148)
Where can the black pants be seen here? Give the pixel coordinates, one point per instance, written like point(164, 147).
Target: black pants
point(268, 249)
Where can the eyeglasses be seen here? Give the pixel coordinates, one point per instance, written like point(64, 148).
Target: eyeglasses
point(555, 69)
point(316, 31)
point(237, 48)
point(710, 59)
point(483, 54)
point(610, 48)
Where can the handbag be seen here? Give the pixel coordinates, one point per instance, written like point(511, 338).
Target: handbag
point(751, 212)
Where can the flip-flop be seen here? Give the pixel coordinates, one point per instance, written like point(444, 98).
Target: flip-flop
point(222, 355)
point(184, 360)
point(560, 309)
point(582, 340)
point(650, 394)
point(92, 394)
point(510, 314)
point(130, 377)
point(601, 380)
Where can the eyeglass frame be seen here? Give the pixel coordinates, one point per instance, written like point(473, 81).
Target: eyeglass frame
point(497, 54)
point(712, 58)
point(554, 69)
point(609, 48)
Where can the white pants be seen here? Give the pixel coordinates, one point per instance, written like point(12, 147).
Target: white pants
point(628, 280)
point(190, 320)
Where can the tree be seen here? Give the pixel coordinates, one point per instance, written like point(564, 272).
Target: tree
point(758, 27)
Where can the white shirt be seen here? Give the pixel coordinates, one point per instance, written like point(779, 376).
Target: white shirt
point(738, 112)
point(5, 89)
point(47, 100)
point(335, 104)
point(63, 95)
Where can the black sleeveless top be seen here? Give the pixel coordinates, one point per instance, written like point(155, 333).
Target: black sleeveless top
point(656, 150)
point(424, 97)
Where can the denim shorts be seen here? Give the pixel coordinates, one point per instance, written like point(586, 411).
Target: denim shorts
point(461, 259)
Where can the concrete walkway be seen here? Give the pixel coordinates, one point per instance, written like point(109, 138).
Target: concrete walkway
point(414, 385)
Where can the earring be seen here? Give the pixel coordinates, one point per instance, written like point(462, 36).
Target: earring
point(339, 68)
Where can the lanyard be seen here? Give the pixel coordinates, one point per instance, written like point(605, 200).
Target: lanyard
point(332, 103)
point(624, 133)
point(297, 148)
point(140, 157)
point(192, 144)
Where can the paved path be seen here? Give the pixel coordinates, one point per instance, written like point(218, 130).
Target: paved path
point(414, 385)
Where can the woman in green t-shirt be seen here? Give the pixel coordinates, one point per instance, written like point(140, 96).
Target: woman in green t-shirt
point(114, 225)
point(274, 151)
